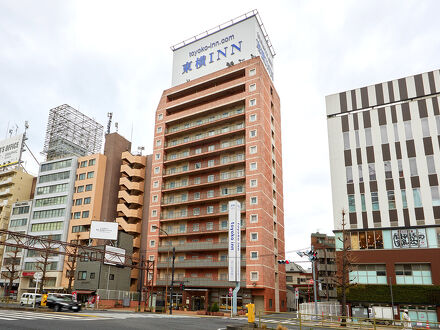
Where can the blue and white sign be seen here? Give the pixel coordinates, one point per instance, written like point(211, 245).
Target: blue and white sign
point(234, 247)
point(233, 44)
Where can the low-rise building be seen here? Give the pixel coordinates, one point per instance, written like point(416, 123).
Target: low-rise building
point(325, 265)
point(298, 280)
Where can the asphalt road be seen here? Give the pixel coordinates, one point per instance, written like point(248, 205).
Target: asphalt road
point(21, 320)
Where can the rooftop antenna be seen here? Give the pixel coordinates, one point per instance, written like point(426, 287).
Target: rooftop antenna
point(140, 149)
point(116, 126)
point(109, 123)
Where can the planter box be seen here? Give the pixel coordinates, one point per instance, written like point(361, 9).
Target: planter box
point(217, 314)
point(201, 312)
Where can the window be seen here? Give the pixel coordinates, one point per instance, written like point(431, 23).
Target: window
point(156, 170)
point(253, 149)
point(434, 194)
point(431, 164)
point(160, 116)
point(224, 207)
point(383, 134)
point(82, 275)
point(198, 151)
point(396, 133)
point(47, 226)
point(77, 215)
point(425, 127)
point(209, 226)
point(85, 214)
point(368, 138)
point(375, 201)
point(253, 133)
point(211, 148)
point(195, 227)
point(254, 200)
point(111, 277)
point(158, 143)
point(210, 209)
point(369, 274)
point(351, 204)
point(356, 136)
point(254, 237)
point(197, 165)
point(400, 167)
point(211, 163)
point(372, 171)
point(417, 198)
point(346, 137)
point(391, 200)
point(254, 255)
point(54, 213)
point(157, 156)
point(92, 276)
point(254, 276)
point(196, 211)
point(211, 178)
point(83, 163)
point(253, 166)
point(408, 130)
point(52, 189)
point(80, 189)
point(155, 184)
point(404, 202)
point(153, 228)
point(413, 274)
point(78, 201)
point(254, 218)
point(252, 87)
point(155, 198)
point(48, 201)
point(154, 213)
point(90, 175)
point(388, 171)
point(252, 72)
point(197, 180)
point(364, 208)
point(253, 117)
point(152, 243)
point(224, 224)
point(92, 162)
point(79, 229)
point(349, 174)
point(413, 166)
point(89, 187)
point(159, 129)
point(17, 222)
point(253, 182)
point(197, 195)
point(56, 165)
point(82, 176)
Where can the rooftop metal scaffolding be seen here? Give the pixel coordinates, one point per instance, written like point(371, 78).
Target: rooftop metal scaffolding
point(70, 132)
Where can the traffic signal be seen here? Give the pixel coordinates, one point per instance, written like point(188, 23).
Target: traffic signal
point(284, 262)
point(182, 286)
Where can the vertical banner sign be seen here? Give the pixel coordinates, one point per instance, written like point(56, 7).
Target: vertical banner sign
point(234, 247)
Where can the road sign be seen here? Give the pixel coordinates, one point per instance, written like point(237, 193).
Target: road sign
point(38, 276)
point(296, 294)
point(230, 292)
point(74, 295)
point(296, 289)
point(310, 281)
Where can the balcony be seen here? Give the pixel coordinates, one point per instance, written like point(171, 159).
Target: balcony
point(330, 267)
point(5, 192)
point(218, 164)
point(194, 263)
point(129, 227)
point(203, 182)
point(213, 120)
point(205, 137)
point(129, 213)
point(138, 173)
point(200, 246)
point(198, 282)
point(202, 213)
point(131, 199)
point(191, 230)
point(131, 185)
point(189, 155)
point(5, 181)
point(137, 242)
point(202, 197)
point(136, 161)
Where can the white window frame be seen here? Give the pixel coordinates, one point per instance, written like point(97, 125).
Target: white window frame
point(155, 198)
point(154, 213)
point(155, 184)
point(254, 200)
point(252, 72)
point(159, 129)
point(160, 116)
point(251, 276)
point(253, 133)
point(254, 183)
point(252, 87)
point(157, 156)
point(253, 164)
point(252, 102)
point(253, 117)
point(153, 228)
point(251, 239)
point(152, 243)
point(253, 150)
point(158, 143)
point(157, 170)
point(251, 218)
point(253, 258)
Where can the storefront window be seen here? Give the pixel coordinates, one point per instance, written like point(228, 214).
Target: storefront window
point(355, 241)
point(379, 239)
point(362, 241)
point(370, 240)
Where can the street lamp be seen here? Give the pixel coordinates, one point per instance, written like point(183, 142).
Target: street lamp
point(168, 264)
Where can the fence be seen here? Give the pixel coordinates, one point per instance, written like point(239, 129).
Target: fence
point(324, 308)
point(314, 321)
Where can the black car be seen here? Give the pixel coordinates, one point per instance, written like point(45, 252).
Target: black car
point(59, 303)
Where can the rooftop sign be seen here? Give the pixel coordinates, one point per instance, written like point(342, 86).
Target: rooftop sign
point(233, 42)
point(10, 150)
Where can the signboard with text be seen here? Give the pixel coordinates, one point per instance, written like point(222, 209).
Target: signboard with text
point(10, 150)
point(239, 41)
point(115, 257)
point(104, 230)
point(234, 245)
point(409, 238)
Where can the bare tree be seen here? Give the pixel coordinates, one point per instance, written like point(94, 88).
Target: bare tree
point(346, 263)
point(12, 264)
point(43, 261)
point(71, 265)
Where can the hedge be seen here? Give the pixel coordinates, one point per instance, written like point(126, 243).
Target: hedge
point(402, 294)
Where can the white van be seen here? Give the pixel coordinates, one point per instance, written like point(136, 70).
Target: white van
point(29, 298)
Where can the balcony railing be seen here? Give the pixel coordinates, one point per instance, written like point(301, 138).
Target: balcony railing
point(204, 180)
point(187, 153)
point(222, 161)
point(195, 263)
point(202, 228)
point(194, 197)
point(5, 181)
point(199, 246)
point(5, 191)
point(200, 136)
point(184, 214)
point(208, 120)
point(198, 282)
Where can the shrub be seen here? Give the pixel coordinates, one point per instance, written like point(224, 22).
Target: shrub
point(214, 307)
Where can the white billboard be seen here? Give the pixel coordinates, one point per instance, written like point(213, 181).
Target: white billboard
point(10, 150)
point(237, 42)
point(104, 230)
point(115, 257)
point(234, 246)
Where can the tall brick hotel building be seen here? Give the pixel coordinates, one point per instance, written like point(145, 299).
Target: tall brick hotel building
point(217, 138)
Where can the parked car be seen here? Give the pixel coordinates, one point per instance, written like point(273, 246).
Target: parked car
point(62, 302)
point(28, 299)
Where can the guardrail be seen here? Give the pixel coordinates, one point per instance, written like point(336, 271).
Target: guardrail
point(312, 321)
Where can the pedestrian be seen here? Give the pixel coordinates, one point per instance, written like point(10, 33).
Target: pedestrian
point(406, 320)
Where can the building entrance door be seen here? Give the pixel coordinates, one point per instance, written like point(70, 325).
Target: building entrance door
point(197, 303)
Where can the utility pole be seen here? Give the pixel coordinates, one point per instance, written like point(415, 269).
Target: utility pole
point(172, 281)
point(312, 258)
point(141, 282)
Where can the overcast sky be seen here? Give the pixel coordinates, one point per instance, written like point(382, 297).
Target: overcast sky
point(114, 56)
